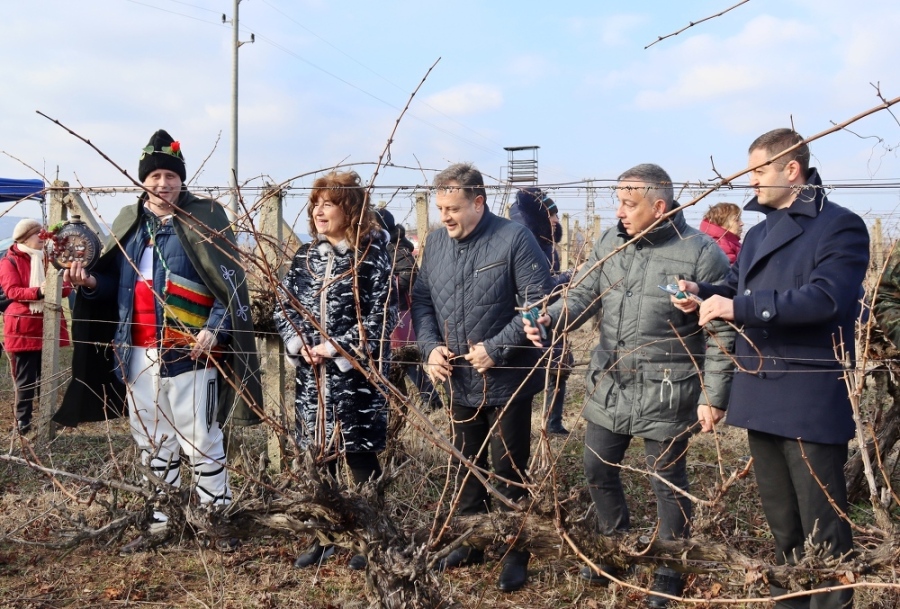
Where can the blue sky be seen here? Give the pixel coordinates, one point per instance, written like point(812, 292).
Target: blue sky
point(325, 81)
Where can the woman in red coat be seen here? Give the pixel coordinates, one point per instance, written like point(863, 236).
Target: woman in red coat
point(723, 223)
point(22, 274)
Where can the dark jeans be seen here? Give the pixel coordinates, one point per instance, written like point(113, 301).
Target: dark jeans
point(561, 366)
point(795, 504)
point(26, 371)
point(555, 397)
point(667, 459)
point(427, 392)
point(509, 445)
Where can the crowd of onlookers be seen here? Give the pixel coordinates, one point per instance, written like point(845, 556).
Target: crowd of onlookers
point(693, 323)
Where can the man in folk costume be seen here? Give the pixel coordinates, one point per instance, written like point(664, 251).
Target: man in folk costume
point(172, 269)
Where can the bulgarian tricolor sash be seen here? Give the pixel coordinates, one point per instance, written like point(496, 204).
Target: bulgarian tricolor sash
point(186, 309)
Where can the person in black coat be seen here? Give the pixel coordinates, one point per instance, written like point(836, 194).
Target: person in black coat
point(403, 262)
point(795, 289)
point(539, 213)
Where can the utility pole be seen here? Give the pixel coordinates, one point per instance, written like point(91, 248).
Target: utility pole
point(590, 212)
point(236, 43)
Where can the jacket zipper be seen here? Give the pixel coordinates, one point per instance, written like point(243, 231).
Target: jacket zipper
point(490, 266)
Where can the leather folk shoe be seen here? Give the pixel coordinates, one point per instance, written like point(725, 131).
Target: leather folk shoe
point(514, 573)
point(461, 557)
point(667, 584)
point(315, 555)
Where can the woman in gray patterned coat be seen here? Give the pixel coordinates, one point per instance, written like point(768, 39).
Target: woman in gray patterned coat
point(336, 317)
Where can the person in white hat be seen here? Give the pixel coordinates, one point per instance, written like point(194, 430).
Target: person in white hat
point(22, 274)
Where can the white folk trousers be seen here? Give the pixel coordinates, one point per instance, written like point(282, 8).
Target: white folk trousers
point(171, 415)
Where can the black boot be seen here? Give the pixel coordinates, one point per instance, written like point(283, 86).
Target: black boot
point(596, 579)
point(358, 562)
point(461, 557)
point(514, 573)
point(672, 584)
point(316, 554)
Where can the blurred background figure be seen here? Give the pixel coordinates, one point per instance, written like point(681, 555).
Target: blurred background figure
point(538, 212)
point(404, 269)
point(723, 223)
point(22, 274)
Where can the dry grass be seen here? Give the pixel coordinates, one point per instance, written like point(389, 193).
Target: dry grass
point(260, 572)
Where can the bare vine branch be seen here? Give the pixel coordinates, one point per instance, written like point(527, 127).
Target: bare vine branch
point(693, 23)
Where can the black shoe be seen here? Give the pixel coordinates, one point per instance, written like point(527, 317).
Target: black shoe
point(667, 584)
point(138, 544)
point(24, 427)
point(514, 573)
point(358, 562)
point(316, 554)
point(461, 557)
point(226, 545)
point(558, 431)
point(595, 579)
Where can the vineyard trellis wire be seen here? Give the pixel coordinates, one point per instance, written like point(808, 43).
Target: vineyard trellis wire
point(297, 500)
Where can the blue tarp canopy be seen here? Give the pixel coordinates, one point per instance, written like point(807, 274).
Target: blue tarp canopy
point(13, 190)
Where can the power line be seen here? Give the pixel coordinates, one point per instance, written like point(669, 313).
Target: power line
point(280, 47)
point(379, 75)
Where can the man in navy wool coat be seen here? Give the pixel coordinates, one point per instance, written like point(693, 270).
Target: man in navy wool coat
point(795, 290)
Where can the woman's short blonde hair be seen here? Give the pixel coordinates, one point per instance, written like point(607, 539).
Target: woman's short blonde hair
point(723, 214)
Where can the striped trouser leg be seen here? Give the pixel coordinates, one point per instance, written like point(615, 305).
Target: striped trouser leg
point(193, 399)
point(151, 420)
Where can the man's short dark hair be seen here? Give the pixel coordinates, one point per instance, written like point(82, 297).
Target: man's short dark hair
point(658, 182)
point(465, 176)
point(777, 140)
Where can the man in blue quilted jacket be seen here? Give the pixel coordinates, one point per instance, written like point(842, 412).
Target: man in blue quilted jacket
point(470, 333)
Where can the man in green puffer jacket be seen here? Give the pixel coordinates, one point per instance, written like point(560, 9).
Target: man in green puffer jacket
point(655, 374)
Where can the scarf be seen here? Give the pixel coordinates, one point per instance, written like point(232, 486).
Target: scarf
point(37, 277)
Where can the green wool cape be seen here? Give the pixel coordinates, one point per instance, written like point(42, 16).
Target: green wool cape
point(95, 394)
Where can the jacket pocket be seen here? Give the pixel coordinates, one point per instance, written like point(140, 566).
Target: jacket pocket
point(487, 267)
point(807, 356)
point(670, 394)
point(12, 325)
point(598, 369)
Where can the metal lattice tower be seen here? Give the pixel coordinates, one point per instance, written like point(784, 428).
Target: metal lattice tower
point(590, 197)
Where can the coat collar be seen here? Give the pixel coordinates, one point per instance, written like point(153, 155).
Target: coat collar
point(479, 228)
point(809, 201)
point(718, 233)
point(378, 237)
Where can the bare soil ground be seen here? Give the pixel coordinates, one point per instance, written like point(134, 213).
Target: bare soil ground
point(37, 511)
